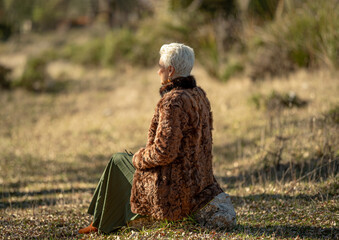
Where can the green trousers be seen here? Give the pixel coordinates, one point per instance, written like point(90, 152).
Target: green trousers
point(110, 205)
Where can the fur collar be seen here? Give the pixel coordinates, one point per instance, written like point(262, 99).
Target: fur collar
point(178, 83)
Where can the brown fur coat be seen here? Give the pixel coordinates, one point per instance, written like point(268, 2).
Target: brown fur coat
point(173, 176)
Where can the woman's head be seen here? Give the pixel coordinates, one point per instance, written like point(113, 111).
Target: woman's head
point(176, 60)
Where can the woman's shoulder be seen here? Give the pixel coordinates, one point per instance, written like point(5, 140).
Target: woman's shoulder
point(177, 96)
point(185, 98)
point(188, 94)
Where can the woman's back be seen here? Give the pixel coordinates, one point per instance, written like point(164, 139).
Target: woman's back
point(175, 174)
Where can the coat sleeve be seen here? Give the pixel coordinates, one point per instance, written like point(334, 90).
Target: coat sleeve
point(166, 145)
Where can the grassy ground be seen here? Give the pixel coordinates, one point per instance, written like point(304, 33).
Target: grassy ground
point(279, 164)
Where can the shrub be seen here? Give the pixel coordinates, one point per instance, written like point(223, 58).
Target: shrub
point(262, 9)
point(34, 76)
point(269, 61)
point(333, 114)
point(117, 46)
point(150, 37)
point(256, 100)
point(207, 52)
point(44, 15)
point(4, 80)
point(232, 69)
point(287, 100)
point(5, 32)
point(305, 36)
point(89, 53)
point(140, 47)
point(277, 101)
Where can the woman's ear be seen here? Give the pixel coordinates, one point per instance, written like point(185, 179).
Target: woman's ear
point(171, 71)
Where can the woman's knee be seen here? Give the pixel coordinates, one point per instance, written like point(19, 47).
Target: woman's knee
point(117, 158)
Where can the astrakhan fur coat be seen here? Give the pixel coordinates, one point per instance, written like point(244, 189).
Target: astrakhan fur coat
point(173, 176)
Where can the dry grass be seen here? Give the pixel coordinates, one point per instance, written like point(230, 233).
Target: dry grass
point(53, 148)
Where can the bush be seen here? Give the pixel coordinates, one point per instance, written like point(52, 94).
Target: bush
point(140, 47)
point(269, 61)
point(5, 32)
point(34, 75)
point(208, 53)
point(287, 100)
point(306, 37)
point(4, 80)
point(262, 9)
point(333, 114)
point(232, 69)
point(117, 46)
point(256, 100)
point(277, 101)
point(89, 53)
point(44, 15)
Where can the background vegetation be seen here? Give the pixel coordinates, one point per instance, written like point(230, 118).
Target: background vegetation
point(73, 78)
point(256, 38)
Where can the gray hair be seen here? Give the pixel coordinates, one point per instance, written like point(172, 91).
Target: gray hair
point(178, 55)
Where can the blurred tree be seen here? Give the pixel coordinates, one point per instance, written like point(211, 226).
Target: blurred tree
point(5, 28)
point(121, 12)
point(94, 9)
point(262, 8)
point(4, 79)
point(45, 15)
point(15, 12)
point(210, 7)
point(220, 18)
point(5, 31)
point(42, 14)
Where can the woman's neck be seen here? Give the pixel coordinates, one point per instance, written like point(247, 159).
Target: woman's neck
point(178, 83)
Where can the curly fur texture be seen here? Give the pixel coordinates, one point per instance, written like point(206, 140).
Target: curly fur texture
point(174, 176)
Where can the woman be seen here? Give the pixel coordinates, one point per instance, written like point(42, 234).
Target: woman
point(172, 176)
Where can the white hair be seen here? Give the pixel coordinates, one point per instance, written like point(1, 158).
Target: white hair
point(178, 55)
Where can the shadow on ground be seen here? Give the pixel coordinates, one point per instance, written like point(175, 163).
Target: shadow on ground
point(271, 168)
point(42, 197)
point(238, 201)
point(288, 231)
point(83, 170)
point(315, 169)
